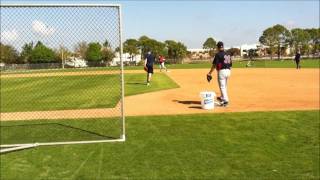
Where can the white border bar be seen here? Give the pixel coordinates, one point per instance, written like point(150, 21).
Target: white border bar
point(63, 143)
point(60, 5)
point(15, 147)
point(122, 76)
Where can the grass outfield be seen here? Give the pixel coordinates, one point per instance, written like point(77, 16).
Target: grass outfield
point(255, 64)
point(73, 92)
point(258, 145)
point(41, 131)
point(306, 63)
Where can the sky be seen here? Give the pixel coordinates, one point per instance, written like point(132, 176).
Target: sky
point(191, 22)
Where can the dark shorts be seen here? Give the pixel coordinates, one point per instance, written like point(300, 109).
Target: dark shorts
point(150, 69)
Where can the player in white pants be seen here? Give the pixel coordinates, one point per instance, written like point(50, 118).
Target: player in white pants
point(161, 62)
point(222, 63)
point(223, 76)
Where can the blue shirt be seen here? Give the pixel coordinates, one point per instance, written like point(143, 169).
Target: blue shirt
point(150, 59)
point(297, 57)
point(222, 60)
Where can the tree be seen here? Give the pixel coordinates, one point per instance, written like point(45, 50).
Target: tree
point(107, 55)
point(147, 44)
point(8, 54)
point(157, 47)
point(143, 45)
point(268, 39)
point(117, 49)
point(81, 49)
point(107, 52)
point(171, 49)
point(62, 54)
point(210, 44)
point(93, 52)
point(275, 37)
point(314, 39)
point(42, 54)
point(131, 46)
point(170, 44)
point(181, 51)
point(252, 53)
point(106, 44)
point(176, 50)
point(300, 40)
point(282, 37)
point(25, 55)
point(234, 51)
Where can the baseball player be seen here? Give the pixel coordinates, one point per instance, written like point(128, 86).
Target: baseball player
point(250, 53)
point(222, 62)
point(297, 59)
point(161, 61)
point(148, 65)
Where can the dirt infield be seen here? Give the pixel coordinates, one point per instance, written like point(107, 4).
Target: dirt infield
point(249, 90)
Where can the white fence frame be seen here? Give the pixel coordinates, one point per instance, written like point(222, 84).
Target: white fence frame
point(14, 147)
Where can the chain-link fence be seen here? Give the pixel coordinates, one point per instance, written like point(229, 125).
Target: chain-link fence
point(49, 95)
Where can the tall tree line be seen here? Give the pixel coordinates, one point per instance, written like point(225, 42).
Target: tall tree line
point(278, 37)
point(40, 53)
point(171, 49)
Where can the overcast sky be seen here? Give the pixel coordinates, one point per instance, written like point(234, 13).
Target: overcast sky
point(234, 22)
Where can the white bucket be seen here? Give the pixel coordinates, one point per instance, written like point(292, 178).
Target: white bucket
point(207, 99)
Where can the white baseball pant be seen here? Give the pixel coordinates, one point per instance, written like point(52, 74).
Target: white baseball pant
point(223, 76)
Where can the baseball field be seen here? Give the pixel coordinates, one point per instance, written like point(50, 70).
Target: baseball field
point(270, 130)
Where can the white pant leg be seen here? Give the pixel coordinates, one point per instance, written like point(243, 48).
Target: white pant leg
point(162, 65)
point(223, 76)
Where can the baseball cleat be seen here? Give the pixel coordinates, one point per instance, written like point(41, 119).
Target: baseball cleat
point(219, 99)
point(224, 104)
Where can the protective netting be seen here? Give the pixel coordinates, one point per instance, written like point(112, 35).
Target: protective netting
point(61, 77)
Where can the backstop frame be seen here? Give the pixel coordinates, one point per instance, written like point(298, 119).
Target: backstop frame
point(5, 148)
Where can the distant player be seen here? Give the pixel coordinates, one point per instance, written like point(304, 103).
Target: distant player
point(297, 59)
point(222, 62)
point(148, 65)
point(161, 62)
point(251, 55)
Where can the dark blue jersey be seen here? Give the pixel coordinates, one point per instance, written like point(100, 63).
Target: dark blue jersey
point(150, 59)
point(222, 60)
point(297, 57)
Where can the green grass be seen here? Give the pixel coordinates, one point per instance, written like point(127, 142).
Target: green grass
point(267, 63)
point(61, 70)
point(256, 64)
point(135, 84)
point(73, 92)
point(37, 131)
point(260, 145)
point(280, 64)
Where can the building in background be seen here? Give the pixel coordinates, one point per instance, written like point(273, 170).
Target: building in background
point(198, 54)
point(244, 49)
point(127, 59)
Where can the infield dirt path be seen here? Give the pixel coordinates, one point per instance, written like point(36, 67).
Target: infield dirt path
point(249, 90)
